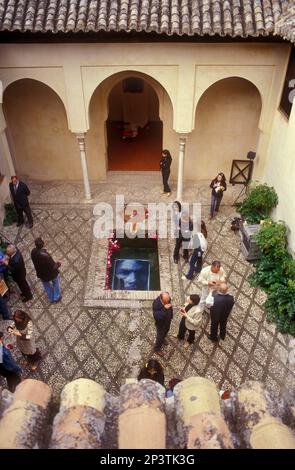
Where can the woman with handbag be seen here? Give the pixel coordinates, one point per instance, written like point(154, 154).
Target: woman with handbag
point(23, 330)
point(192, 319)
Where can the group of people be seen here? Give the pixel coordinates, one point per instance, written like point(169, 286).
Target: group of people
point(214, 297)
point(47, 270)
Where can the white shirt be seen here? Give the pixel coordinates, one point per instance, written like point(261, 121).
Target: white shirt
point(206, 276)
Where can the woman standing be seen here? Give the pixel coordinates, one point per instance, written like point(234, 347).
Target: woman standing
point(192, 318)
point(165, 164)
point(23, 331)
point(218, 186)
point(153, 371)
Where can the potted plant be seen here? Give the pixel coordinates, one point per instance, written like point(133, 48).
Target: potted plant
point(258, 204)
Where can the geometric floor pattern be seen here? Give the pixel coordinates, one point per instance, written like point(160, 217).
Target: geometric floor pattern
point(109, 345)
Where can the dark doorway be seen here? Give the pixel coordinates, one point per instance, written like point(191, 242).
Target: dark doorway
point(134, 130)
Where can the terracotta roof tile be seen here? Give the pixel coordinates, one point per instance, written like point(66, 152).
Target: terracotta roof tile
point(285, 25)
point(191, 17)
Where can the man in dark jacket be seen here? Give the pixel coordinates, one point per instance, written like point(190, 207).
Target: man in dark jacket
point(19, 193)
point(163, 314)
point(219, 312)
point(17, 269)
point(47, 271)
point(8, 367)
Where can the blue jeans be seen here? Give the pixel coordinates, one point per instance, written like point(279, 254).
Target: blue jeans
point(52, 289)
point(215, 203)
point(195, 264)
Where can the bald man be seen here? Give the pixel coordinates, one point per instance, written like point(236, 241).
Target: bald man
point(163, 314)
point(220, 308)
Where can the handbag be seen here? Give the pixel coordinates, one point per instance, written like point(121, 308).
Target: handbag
point(198, 240)
point(3, 287)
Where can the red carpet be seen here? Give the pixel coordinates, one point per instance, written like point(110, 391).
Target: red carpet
point(143, 153)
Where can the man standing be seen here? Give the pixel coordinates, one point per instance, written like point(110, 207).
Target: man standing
point(47, 270)
point(19, 193)
point(163, 314)
point(211, 277)
point(18, 271)
point(220, 308)
point(8, 367)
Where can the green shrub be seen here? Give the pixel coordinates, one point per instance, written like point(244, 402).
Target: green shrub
point(272, 239)
point(280, 306)
point(258, 204)
point(275, 274)
point(10, 214)
point(268, 272)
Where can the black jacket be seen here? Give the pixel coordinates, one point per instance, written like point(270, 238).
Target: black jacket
point(223, 303)
point(218, 194)
point(20, 197)
point(162, 315)
point(165, 164)
point(16, 266)
point(46, 268)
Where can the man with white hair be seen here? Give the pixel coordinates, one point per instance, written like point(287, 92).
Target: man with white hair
point(220, 307)
point(17, 269)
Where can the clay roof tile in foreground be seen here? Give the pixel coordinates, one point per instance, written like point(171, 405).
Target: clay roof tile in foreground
point(232, 18)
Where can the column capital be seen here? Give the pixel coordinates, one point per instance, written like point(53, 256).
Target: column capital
point(182, 139)
point(80, 136)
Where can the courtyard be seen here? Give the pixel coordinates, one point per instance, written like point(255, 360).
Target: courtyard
point(110, 343)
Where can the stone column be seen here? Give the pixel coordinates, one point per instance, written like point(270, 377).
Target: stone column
point(142, 420)
point(23, 422)
point(81, 141)
point(6, 164)
point(200, 424)
point(81, 420)
point(257, 419)
point(182, 142)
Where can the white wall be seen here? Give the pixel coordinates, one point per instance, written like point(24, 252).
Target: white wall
point(280, 170)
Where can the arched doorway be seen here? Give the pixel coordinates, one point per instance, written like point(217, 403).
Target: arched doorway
point(134, 129)
point(41, 144)
point(105, 108)
point(226, 128)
